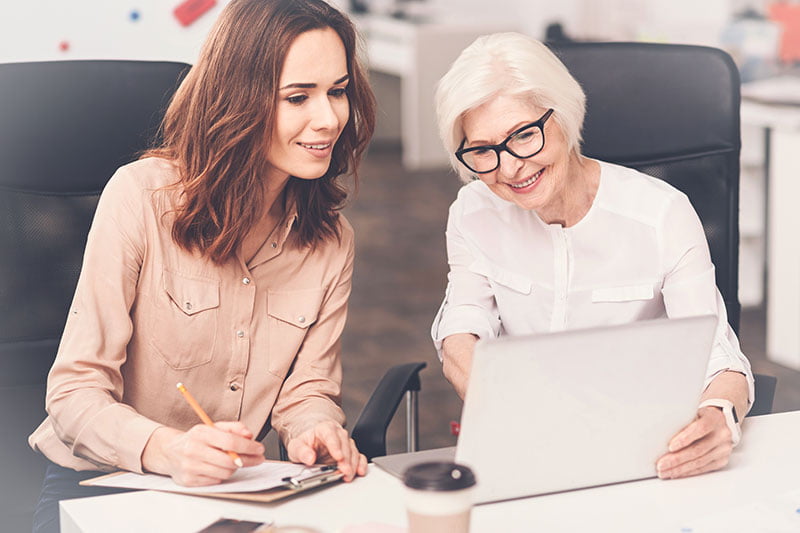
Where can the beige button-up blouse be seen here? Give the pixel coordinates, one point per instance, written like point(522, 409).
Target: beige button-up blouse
point(148, 314)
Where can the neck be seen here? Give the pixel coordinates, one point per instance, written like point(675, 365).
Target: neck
point(266, 226)
point(582, 179)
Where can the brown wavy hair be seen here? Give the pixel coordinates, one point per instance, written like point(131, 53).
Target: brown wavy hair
point(219, 123)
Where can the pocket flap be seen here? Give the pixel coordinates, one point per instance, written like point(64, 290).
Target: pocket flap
point(299, 308)
point(499, 275)
point(623, 294)
point(191, 295)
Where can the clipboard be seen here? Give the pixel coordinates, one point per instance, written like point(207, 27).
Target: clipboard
point(310, 478)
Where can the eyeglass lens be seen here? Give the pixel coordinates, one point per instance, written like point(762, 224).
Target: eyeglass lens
point(524, 143)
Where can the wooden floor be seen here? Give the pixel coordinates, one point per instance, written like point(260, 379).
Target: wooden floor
point(399, 279)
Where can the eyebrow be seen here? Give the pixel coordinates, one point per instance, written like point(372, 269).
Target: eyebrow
point(472, 144)
point(313, 85)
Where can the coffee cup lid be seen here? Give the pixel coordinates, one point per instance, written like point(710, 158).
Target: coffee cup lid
point(438, 476)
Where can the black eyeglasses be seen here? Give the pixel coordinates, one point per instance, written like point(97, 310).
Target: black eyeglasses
point(523, 143)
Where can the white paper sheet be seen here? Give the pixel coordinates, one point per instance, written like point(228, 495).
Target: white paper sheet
point(248, 479)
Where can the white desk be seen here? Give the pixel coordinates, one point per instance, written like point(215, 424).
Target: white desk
point(761, 482)
point(783, 215)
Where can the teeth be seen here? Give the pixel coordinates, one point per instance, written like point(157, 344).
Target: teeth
point(528, 181)
point(315, 146)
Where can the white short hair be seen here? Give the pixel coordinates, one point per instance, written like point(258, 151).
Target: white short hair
point(511, 64)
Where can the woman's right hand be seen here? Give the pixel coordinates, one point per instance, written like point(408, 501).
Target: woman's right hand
point(199, 456)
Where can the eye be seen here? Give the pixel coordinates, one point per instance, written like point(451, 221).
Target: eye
point(297, 99)
point(338, 92)
point(481, 152)
point(526, 135)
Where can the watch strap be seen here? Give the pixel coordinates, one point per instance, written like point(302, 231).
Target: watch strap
point(731, 419)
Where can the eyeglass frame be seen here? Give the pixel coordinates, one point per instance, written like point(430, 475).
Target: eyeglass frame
point(503, 146)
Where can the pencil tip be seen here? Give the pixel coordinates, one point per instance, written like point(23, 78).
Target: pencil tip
point(238, 462)
point(179, 385)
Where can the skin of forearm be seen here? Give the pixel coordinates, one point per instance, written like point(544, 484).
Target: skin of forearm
point(457, 360)
point(729, 385)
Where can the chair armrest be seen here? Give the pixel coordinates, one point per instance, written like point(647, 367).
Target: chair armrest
point(765, 394)
point(369, 432)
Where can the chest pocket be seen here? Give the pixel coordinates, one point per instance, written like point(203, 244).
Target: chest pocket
point(500, 276)
point(183, 326)
point(291, 314)
point(623, 294)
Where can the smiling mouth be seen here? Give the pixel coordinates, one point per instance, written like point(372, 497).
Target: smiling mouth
point(527, 182)
point(324, 146)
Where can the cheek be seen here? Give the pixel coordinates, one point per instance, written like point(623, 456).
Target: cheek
point(342, 110)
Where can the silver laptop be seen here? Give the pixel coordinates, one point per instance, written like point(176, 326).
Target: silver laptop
point(580, 408)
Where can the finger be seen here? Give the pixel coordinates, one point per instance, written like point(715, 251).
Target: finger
point(696, 430)
point(714, 464)
point(349, 462)
point(301, 452)
point(362, 465)
point(237, 428)
point(696, 450)
point(333, 439)
point(357, 460)
point(252, 460)
point(714, 459)
point(205, 462)
point(340, 449)
point(227, 441)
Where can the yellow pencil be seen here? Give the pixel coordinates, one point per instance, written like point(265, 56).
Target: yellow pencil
point(206, 420)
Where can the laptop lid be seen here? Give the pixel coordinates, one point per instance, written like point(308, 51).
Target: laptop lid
point(396, 464)
point(580, 408)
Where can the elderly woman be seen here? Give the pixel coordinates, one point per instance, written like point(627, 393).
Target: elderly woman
point(543, 237)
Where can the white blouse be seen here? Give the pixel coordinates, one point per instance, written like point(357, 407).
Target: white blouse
point(639, 253)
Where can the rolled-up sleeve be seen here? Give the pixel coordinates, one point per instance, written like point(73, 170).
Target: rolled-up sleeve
point(469, 304)
point(690, 287)
point(85, 385)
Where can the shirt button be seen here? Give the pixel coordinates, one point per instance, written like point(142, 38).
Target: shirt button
point(188, 306)
point(246, 281)
point(240, 334)
point(274, 244)
point(301, 319)
point(234, 387)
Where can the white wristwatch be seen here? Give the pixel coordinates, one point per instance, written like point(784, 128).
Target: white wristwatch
point(731, 419)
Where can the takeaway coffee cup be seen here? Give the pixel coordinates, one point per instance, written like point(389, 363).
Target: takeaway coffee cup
point(438, 497)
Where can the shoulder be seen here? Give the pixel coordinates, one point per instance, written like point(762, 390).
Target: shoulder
point(340, 244)
point(638, 196)
point(476, 196)
point(140, 176)
point(346, 231)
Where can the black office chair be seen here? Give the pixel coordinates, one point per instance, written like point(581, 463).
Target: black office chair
point(65, 127)
point(672, 111)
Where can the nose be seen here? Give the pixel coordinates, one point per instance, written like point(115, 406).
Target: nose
point(509, 165)
point(324, 116)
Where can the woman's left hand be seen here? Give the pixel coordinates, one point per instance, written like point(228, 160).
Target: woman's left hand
point(702, 446)
point(328, 442)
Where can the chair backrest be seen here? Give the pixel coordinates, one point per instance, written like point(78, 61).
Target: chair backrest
point(64, 129)
point(671, 111)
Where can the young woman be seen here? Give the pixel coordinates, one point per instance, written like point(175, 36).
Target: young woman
point(220, 260)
